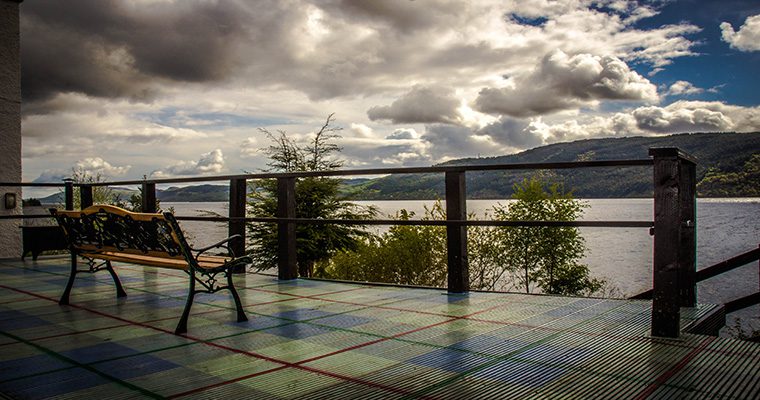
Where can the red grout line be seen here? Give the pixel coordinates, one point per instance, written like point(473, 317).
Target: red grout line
point(232, 349)
point(161, 272)
point(371, 342)
point(299, 364)
point(340, 291)
point(314, 297)
point(267, 303)
point(129, 324)
point(59, 335)
point(398, 335)
point(503, 323)
point(674, 369)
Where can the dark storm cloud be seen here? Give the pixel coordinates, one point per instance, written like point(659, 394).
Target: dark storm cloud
point(511, 132)
point(404, 16)
point(451, 141)
point(420, 105)
point(110, 48)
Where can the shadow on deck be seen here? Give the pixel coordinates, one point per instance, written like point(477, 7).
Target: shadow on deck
point(314, 339)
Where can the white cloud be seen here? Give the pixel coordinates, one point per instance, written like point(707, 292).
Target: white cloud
point(97, 165)
point(620, 124)
point(52, 175)
point(748, 36)
point(249, 147)
point(420, 105)
point(287, 64)
point(562, 82)
point(363, 152)
point(209, 163)
point(91, 166)
point(678, 117)
point(695, 117)
point(361, 130)
point(683, 88)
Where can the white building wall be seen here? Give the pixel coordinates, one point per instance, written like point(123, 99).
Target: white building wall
point(10, 125)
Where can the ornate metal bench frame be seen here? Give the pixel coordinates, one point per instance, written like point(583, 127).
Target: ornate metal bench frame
point(108, 233)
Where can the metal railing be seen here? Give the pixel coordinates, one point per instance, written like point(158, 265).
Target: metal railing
point(674, 174)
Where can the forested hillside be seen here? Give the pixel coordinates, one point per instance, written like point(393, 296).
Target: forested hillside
point(725, 169)
point(729, 165)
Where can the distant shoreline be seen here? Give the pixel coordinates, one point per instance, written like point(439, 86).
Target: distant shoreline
point(757, 198)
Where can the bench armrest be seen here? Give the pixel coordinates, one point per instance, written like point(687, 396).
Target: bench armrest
point(220, 244)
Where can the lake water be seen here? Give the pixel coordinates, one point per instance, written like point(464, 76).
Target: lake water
point(725, 227)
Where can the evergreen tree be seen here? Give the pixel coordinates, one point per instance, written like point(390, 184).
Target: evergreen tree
point(316, 197)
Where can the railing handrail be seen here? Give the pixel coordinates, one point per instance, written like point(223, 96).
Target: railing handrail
point(714, 270)
point(32, 184)
point(370, 171)
point(728, 265)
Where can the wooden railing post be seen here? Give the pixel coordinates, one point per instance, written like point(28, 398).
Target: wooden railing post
point(237, 214)
point(68, 193)
point(85, 196)
point(287, 267)
point(456, 235)
point(148, 204)
point(674, 260)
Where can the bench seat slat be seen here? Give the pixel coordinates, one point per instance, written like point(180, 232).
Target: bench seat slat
point(206, 262)
point(92, 249)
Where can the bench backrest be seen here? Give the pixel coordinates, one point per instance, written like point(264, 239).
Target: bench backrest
point(101, 228)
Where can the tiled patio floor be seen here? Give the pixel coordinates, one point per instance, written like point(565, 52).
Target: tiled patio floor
point(324, 340)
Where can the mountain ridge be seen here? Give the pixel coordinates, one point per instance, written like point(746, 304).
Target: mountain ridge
point(716, 153)
point(724, 169)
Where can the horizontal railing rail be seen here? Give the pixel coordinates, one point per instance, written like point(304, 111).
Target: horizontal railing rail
point(30, 216)
point(32, 184)
point(371, 171)
point(743, 302)
point(728, 265)
point(715, 269)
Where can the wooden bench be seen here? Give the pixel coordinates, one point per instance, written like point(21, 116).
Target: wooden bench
point(108, 233)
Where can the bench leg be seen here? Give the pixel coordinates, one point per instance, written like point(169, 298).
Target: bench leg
point(182, 325)
point(119, 289)
point(238, 305)
point(65, 296)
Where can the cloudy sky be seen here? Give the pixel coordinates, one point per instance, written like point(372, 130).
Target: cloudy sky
point(164, 88)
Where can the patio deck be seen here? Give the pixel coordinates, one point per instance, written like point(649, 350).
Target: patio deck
point(324, 340)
